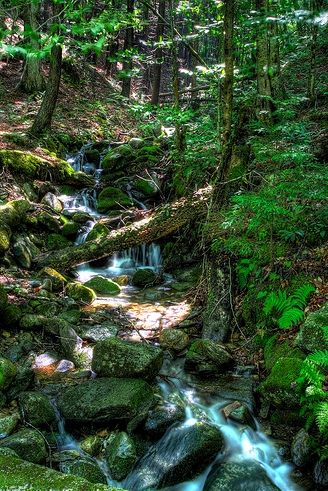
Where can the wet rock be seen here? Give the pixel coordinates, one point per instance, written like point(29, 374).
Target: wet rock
point(56, 241)
point(49, 222)
point(300, 448)
point(73, 347)
point(207, 357)
point(114, 357)
point(15, 473)
point(23, 381)
point(80, 293)
point(70, 230)
point(143, 277)
point(8, 373)
point(36, 409)
point(103, 286)
point(120, 455)
point(53, 202)
point(183, 453)
point(111, 198)
point(174, 340)
point(83, 467)
point(105, 399)
point(321, 472)
point(91, 445)
point(162, 417)
point(237, 411)
point(99, 230)
point(58, 281)
point(28, 444)
point(81, 217)
point(234, 475)
point(98, 333)
point(274, 349)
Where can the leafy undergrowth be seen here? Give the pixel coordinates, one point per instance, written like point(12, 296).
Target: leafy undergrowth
point(89, 108)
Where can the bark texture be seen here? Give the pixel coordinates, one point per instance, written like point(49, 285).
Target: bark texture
point(162, 222)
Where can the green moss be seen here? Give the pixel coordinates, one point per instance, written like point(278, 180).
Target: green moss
point(112, 198)
point(11, 315)
point(80, 293)
point(8, 372)
point(103, 286)
point(143, 277)
point(145, 186)
point(98, 230)
point(18, 474)
point(70, 229)
point(56, 241)
point(274, 349)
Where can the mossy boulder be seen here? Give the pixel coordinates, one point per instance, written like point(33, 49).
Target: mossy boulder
point(24, 250)
point(20, 205)
point(311, 336)
point(99, 230)
point(37, 409)
point(112, 198)
point(278, 386)
point(51, 200)
point(80, 293)
point(56, 241)
point(9, 423)
point(49, 222)
point(117, 159)
point(275, 349)
point(85, 468)
point(143, 277)
point(32, 322)
point(81, 217)
point(11, 315)
point(28, 444)
point(58, 281)
point(70, 229)
point(120, 455)
point(9, 215)
point(8, 373)
point(105, 399)
point(207, 357)
point(91, 445)
point(103, 286)
point(5, 235)
point(33, 167)
point(114, 357)
point(146, 186)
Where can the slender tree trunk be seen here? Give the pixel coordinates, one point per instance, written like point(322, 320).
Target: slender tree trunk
point(277, 86)
point(227, 90)
point(32, 79)
point(128, 44)
point(315, 6)
point(44, 117)
point(158, 54)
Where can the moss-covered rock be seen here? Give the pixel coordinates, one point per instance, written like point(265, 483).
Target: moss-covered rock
point(58, 281)
point(37, 409)
point(81, 217)
point(32, 322)
point(112, 198)
point(8, 373)
point(70, 229)
point(51, 200)
point(9, 215)
point(24, 250)
point(8, 424)
point(277, 387)
point(311, 336)
point(105, 399)
point(91, 445)
point(85, 468)
point(143, 277)
point(275, 349)
point(49, 222)
point(33, 167)
point(120, 455)
point(56, 241)
point(20, 205)
point(103, 286)
point(114, 357)
point(28, 444)
point(20, 474)
point(207, 357)
point(11, 315)
point(146, 186)
point(80, 293)
point(174, 340)
point(117, 159)
point(5, 234)
point(99, 230)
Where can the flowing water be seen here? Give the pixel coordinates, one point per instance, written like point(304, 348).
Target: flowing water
point(166, 310)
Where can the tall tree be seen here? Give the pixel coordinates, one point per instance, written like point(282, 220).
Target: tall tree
point(44, 116)
point(128, 44)
point(158, 53)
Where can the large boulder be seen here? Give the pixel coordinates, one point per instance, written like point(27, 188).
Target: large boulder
point(311, 336)
point(184, 452)
point(37, 409)
point(105, 399)
point(277, 387)
point(207, 357)
point(120, 455)
point(236, 475)
point(114, 357)
point(29, 444)
point(103, 286)
point(80, 293)
point(19, 474)
point(8, 372)
point(112, 198)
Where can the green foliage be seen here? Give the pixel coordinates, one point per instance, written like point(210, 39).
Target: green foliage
point(314, 399)
point(288, 308)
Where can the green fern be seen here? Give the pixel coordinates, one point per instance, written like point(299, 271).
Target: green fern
point(289, 308)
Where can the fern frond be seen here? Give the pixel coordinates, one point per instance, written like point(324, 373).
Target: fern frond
point(301, 294)
point(319, 358)
point(309, 374)
point(323, 452)
point(290, 317)
point(277, 300)
point(321, 417)
point(325, 331)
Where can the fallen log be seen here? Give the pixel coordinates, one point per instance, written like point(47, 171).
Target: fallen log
point(162, 222)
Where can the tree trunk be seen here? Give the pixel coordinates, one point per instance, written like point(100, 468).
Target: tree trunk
point(158, 54)
point(162, 222)
point(32, 79)
point(128, 44)
point(43, 118)
point(227, 90)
